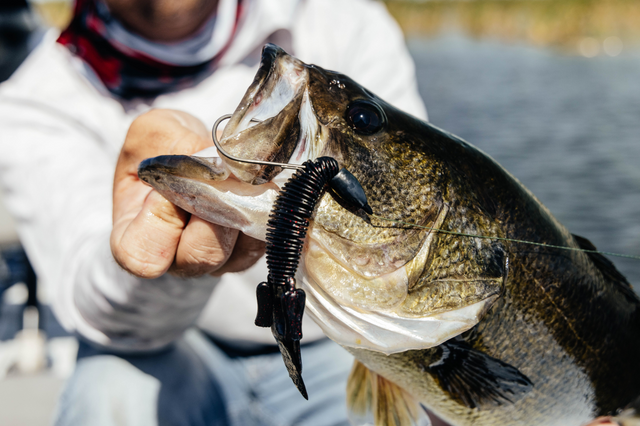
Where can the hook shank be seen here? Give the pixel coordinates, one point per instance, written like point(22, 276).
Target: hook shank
point(216, 142)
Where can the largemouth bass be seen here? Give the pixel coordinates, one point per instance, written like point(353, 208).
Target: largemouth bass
point(482, 331)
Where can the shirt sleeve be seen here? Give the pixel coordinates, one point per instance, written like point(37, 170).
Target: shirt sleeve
point(57, 175)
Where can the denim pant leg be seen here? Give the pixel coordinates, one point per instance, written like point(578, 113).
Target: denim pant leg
point(259, 392)
point(171, 387)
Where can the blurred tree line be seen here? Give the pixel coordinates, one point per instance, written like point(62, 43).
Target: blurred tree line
point(558, 23)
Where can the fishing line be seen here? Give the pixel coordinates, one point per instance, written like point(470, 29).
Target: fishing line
point(412, 225)
point(348, 189)
point(511, 240)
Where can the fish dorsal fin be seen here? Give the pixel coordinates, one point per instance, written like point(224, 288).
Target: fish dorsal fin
point(373, 400)
point(606, 267)
point(475, 379)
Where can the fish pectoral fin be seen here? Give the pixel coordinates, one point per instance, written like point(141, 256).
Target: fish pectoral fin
point(475, 379)
point(374, 400)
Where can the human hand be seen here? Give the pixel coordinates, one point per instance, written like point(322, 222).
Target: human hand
point(150, 235)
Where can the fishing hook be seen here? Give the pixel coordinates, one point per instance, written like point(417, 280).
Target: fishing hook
point(214, 130)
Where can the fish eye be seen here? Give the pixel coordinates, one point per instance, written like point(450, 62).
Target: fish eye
point(365, 117)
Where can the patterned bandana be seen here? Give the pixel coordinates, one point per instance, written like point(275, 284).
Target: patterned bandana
point(126, 71)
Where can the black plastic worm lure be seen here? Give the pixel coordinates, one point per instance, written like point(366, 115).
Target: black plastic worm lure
point(280, 303)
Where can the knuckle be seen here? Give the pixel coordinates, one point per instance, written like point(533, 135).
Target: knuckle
point(211, 257)
point(140, 263)
point(143, 248)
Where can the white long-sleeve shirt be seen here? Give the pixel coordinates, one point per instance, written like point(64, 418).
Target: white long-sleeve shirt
point(60, 136)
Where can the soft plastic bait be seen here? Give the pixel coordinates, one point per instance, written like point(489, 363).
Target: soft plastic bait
point(280, 303)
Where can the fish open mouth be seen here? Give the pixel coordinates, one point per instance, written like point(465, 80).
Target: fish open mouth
point(286, 129)
point(356, 287)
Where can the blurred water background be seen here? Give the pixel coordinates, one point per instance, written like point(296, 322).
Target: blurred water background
point(549, 88)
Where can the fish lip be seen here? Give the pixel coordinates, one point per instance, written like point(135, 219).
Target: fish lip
point(150, 169)
point(269, 58)
point(270, 52)
point(274, 97)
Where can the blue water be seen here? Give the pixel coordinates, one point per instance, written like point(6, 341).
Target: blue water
point(567, 127)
